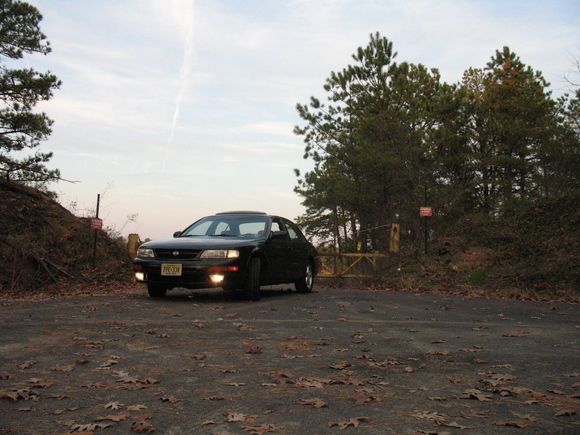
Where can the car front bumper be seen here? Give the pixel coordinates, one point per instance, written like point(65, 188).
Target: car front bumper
point(194, 274)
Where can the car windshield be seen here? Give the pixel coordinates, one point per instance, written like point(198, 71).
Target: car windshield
point(250, 227)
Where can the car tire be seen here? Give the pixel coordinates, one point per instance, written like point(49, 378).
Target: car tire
point(253, 280)
point(306, 282)
point(156, 290)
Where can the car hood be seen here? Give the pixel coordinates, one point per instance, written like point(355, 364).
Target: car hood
point(200, 243)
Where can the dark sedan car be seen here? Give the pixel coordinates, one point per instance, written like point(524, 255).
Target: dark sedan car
point(233, 250)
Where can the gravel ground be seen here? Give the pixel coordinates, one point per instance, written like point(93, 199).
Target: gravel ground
point(332, 361)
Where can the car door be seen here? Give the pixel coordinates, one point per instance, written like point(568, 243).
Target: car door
point(276, 250)
point(297, 251)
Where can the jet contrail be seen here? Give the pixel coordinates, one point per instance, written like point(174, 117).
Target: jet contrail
point(187, 13)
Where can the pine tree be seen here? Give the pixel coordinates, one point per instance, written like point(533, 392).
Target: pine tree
point(21, 129)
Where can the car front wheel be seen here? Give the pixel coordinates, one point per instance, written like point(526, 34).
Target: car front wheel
point(253, 280)
point(156, 290)
point(305, 284)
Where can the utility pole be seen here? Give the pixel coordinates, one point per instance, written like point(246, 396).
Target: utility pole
point(96, 232)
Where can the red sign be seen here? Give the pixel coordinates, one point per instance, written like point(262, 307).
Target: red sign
point(96, 224)
point(425, 211)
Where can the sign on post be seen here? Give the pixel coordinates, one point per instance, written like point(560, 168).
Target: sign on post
point(96, 224)
point(425, 211)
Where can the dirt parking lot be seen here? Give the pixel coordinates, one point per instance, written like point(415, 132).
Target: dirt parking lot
point(333, 361)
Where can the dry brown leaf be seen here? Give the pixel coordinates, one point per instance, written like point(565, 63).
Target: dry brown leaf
point(475, 414)
point(259, 429)
point(63, 368)
point(254, 350)
point(40, 383)
point(207, 422)
point(427, 415)
point(315, 403)
point(115, 418)
point(363, 398)
point(114, 406)
point(350, 422)
point(24, 409)
point(170, 399)
point(453, 424)
point(141, 425)
point(234, 384)
point(233, 417)
point(19, 394)
point(477, 395)
point(199, 356)
point(340, 366)
point(90, 427)
point(26, 364)
point(438, 352)
point(565, 413)
point(137, 407)
point(95, 386)
point(520, 424)
point(307, 382)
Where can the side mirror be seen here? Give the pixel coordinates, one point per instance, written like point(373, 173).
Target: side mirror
point(278, 235)
point(177, 234)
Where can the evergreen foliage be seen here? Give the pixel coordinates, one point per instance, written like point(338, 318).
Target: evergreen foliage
point(21, 129)
point(388, 135)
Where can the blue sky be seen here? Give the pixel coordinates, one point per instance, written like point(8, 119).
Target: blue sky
point(177, 109)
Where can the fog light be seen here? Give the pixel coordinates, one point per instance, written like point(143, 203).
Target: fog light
point(140, 276)
point(216, 278)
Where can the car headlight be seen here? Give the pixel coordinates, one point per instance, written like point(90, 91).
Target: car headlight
point(145, 252)
point(220, 253)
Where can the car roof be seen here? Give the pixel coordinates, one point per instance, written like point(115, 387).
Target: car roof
point(242, 212)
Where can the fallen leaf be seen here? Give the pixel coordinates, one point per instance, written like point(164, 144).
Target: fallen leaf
point(520, 424)
point(254, 350)
point(307, 382)
point(95, 386)
point(199, 356)
point(91, 427)
point(233, 417)
point(438, 352)
point(477, 395)
point(451, 424)
point(315, 403)
point(565, 413)
point(40, 383)
point(115, 418)
point(340, 366)
point(142, 425)
point(137, 407)
point(346, 423)
point(63, 368)
point(170, 399)
point(26, 409)
point(26, 364)
point(475, 414)
point(427, 415)
point(207, 422)
point(114, 406)
point(214, 398)
point(234, 384)
point(260, 429)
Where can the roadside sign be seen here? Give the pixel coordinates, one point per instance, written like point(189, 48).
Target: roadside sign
point(96, 224)
point(425, 211)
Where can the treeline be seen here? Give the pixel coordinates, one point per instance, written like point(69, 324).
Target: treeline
point(390, 137)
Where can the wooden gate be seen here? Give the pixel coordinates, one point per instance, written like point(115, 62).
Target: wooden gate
point(349, 265)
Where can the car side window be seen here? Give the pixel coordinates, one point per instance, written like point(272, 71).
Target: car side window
point(291, 232)
point(276, 226)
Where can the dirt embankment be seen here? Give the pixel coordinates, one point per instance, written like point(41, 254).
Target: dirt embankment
point(42, 245)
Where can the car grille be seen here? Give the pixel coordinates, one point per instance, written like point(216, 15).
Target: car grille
point(182, 254)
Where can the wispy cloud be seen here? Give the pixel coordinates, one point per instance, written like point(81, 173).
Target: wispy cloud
point(185, 9)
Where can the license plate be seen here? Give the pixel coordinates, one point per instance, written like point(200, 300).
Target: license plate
point(171, 270)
